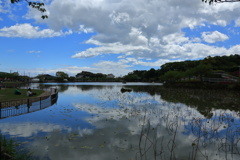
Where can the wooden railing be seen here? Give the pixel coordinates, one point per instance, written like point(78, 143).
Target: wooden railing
point(216, 80)
point(23, 106)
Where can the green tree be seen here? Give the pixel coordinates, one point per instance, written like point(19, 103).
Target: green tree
point(61, 74)
point(36, 5)
point(72, 78)
point(15, 74)
point(172, 76)
point(130, 77)
point(150, 74)
point(201, 70)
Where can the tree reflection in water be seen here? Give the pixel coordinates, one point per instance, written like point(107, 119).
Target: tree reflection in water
point(101, 122)
point(217, 137)
point(215, 134)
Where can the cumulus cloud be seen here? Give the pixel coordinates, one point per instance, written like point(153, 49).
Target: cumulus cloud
point(110, 48)
point(27, 129)
point(171, 47)
point(134, 30)
point(82, 28)
point(237, 22)
point(28, 31)
point(143, 29)
point(212, 37)
point(118, 68)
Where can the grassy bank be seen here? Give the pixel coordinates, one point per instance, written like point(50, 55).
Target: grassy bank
point(7, 94)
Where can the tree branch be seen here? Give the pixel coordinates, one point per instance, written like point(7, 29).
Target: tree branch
point(36, 5)
point(219, 1)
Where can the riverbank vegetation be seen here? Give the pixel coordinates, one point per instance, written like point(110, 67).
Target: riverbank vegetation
point(10, 150)
point(204, 100)
point(207, 69)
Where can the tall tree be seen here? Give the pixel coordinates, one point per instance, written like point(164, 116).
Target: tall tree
point(61, 74)
point(37, 5)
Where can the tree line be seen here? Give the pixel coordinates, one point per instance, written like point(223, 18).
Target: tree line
point(175, 71)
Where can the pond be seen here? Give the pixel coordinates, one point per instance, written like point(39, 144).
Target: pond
point(115, 121)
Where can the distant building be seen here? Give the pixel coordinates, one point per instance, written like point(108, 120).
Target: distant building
point(35, 80)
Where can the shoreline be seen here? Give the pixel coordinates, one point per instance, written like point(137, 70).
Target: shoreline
point(203, 85)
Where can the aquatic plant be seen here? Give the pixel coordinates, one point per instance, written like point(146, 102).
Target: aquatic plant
point(9, 150)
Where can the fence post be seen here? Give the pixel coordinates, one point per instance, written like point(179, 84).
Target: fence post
point(28, 105)
point(40, 102)
point(0, 110)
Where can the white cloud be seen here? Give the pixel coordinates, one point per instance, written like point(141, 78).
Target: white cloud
point(32, 51)
point(212, 37)
point(171, 47)
point(149, 63)
point(27, 129)
point(142, 29)
point(85, 30)
point(110, 48)
point(28, 31)
point(138, 29)
point(175, 38)
point(118, 68)
point(237, 22)
point(118, 18)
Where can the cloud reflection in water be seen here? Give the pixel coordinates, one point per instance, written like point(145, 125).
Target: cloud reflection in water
point(103, 123)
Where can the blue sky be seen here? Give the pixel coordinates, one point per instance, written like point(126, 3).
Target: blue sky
point(113, 36)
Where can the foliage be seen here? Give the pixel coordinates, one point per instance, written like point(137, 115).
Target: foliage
point(72, 78)
point(9, 151)
point(36, 5)
point(13, 77)
point(45, 77)
point(200, 68)
point(85, 75)
point(172, 76)
point(218, 1)
point(131, 77)
point(143, 75)
point(61, 74)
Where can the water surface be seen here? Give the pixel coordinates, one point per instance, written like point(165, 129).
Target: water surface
point(101, 121)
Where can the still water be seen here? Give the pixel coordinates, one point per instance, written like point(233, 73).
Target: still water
point(99, 121)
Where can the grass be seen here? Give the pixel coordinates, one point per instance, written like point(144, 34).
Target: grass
point(7, 94)
point(9, 150)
